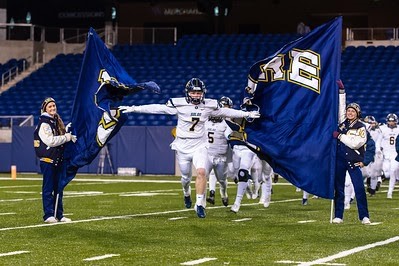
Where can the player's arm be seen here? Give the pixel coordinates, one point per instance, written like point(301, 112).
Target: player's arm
point(150, 109)
point(354, 141)
point(232, 113)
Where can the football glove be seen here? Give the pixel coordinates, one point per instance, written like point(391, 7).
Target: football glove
point(70, 137)
point(127, 109)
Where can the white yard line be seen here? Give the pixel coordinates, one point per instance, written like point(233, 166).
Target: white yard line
point(195, 262)
point(177, 218)
point(101, 180)
point(29, 186)
point(77, 179)
point(21, 192)
point(74, 194)
point(350, 252)
point(308, 221)
point(13, 253)
point(8, 200)
point(7, 213)
point(119, 217)
point(297, 262)
point(242, 220)
point(106, 256)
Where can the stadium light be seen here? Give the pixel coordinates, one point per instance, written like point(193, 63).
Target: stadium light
point(216, 11)
point(113, 13)
point(28, 17)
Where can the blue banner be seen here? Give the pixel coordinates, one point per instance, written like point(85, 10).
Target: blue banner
point(95, 118)
point(297, 93)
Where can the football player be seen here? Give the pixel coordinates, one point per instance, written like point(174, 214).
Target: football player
point(373, 170)
point(218, 153)
point(389, 132)
point(243, 157)
point(266, 184)
point(192, 111)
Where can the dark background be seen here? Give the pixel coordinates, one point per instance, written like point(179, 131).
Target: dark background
point(244, 16)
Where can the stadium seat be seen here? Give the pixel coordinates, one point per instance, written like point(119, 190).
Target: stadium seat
point(222, 61)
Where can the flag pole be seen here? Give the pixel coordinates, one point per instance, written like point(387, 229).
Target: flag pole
point(331, 212)
point(56, 205)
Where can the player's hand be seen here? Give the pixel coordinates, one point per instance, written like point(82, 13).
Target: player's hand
point(70, 137)
point(127, 109)
point(253, 114)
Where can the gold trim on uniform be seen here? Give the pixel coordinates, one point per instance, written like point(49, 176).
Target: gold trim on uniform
point(46, 160)
point(36, 143)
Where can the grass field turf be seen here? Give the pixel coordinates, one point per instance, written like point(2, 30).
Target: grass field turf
point(142, 221)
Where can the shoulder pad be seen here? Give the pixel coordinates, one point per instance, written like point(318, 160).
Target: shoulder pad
point(176, 102)
point(211, 103)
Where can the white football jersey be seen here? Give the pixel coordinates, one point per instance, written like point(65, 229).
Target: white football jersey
point(190, 118)
point(217, 141)
point(190, 129)
point(388, 138)
point(375, 134)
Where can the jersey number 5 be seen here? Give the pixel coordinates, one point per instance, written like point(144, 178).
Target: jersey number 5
point(210, 137)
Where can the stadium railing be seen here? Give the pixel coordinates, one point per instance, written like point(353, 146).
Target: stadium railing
point(14, 71)
point(366, 34)
point(8, 122)
point(372, 37)
point(112, 35)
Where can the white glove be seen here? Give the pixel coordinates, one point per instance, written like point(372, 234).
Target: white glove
point(127, 109)
point(253, 114)
point(68, 127)
point(70, 137)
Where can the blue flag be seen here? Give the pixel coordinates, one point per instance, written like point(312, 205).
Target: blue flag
point(297, 94)
point(102, 83)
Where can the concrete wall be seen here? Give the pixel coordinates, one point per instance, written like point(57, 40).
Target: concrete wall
point(15, 49)
point(40, 52)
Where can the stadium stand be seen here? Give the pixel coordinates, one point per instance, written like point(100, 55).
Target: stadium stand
point(370, 75)
point(221, 61)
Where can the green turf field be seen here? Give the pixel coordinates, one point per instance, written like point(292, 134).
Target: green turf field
point(142, 221)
